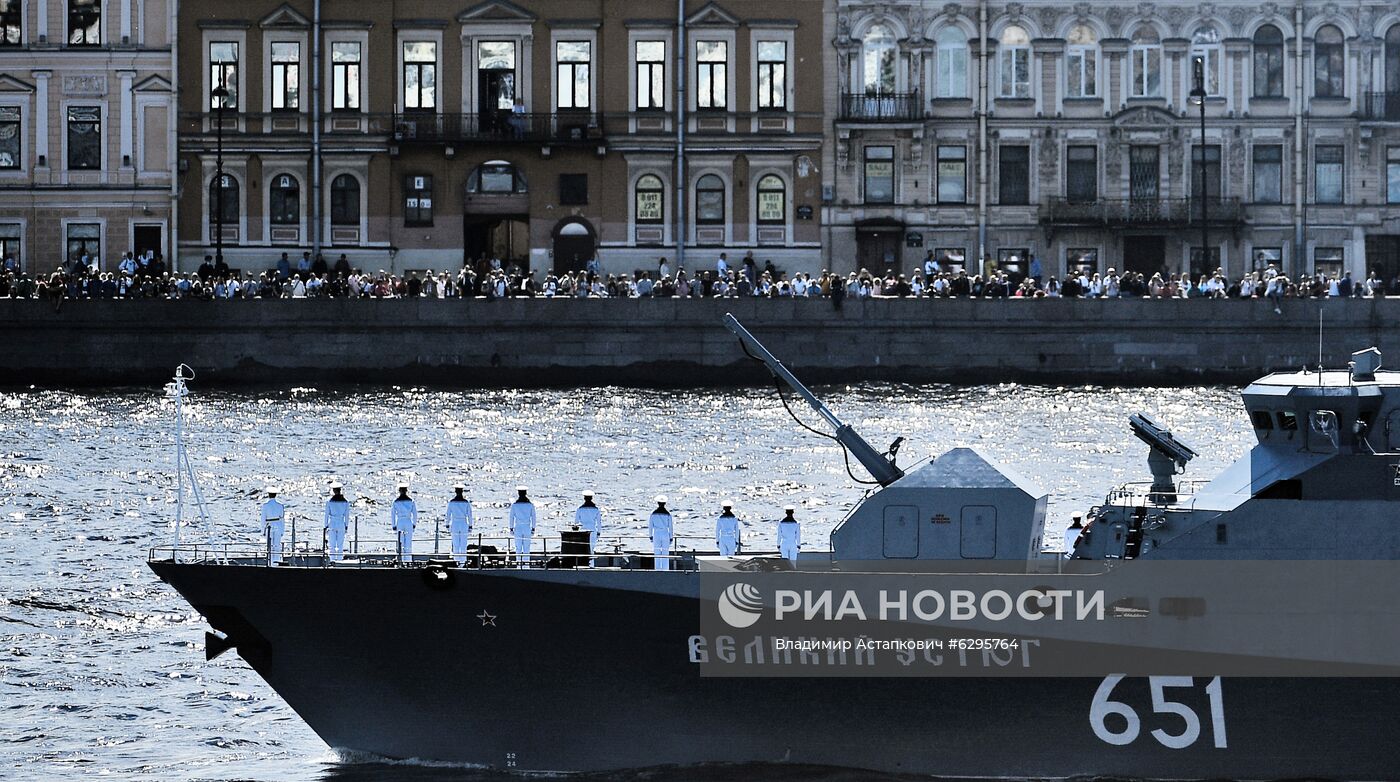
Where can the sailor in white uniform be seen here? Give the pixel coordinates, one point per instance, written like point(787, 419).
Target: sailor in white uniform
point(660, 524)
point(336, 520)
point(403, 516)
point(459, 523)
point(273, 513)
point(522, 525)
point(789, 535)
point(727, 530)
point(589, 517)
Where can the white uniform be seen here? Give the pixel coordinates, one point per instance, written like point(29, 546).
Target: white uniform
point(337, 519)
point(273, 512)
point(660, 525)
point(403, 515)
point(727, 534)
point(789, 539)
point(590, 517)
point(522, 526)
point(459, 522)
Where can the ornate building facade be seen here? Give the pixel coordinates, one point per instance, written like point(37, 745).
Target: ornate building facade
point(420, 136)
point(990, 132)
point(87, 140)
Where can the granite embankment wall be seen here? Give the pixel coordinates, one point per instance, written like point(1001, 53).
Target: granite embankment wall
point(667, 342)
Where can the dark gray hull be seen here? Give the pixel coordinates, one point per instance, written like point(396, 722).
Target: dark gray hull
point(591, 671)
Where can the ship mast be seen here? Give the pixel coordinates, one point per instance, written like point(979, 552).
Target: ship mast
point(176, 390)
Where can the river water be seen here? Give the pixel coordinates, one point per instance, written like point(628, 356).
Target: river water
point(102, 670)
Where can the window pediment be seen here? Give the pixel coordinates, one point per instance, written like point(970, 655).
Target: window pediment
point(712, 15)
point(285, 17)
point(495, 11)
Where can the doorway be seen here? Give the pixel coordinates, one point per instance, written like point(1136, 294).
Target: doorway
point(574, 244)
point(1383, 257)
point(496, 91)
point(504, 237)
point(148, 237)
point(877, 247)
point(1145, 254)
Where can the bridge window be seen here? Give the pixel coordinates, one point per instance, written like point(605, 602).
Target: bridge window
point(1288, 421)
point(1262, 420)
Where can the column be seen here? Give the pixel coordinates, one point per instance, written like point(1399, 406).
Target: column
point(41, 116)
point(128, 119)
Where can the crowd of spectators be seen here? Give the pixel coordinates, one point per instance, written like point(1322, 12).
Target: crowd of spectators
point(146, 276)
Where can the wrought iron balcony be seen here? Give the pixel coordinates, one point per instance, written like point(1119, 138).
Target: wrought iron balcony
point(882, 107)
point(501, 128)
point(1384, 106)
point(1163, 212)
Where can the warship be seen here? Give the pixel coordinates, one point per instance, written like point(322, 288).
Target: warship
point(569, 663)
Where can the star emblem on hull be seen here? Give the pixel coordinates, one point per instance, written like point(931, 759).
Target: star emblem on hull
point(486, 618)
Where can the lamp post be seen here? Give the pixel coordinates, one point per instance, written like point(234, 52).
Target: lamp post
point(1198, 96)
point(220, 96)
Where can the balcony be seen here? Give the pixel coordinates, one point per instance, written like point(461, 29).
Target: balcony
point(885, 107)
point(503, 128)
point(1128, 212)
point(1383, 106)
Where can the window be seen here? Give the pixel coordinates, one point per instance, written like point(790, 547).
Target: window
point(495, 75)
point(419, 76)
point(345, 200)
point(572, 60)
point(1145, 55)
point(651, 75)
point(1204, 263)
point(1082, 63)
point(10, 137)
point(1328, 261)
point(1262, 419)
point(952, 174)
point(10, 242)
point(1082, 174)
point(1264, 257)
point(952, 259)
point(1205, 44)
point(573, 189)
point(1392, 63)
point(1205, 183)
point(951, 64)
point(84, 22)
point(496, 176)
point(223, 201)
point(1014, 63)
point(879, 53)
point(1082, 260)
point(11, 22)
point(1392, 175)
point(772, 200)
point(711, 74)
point(345, 75)
point(286, 66)
point(84, 239)
point(1268, 62)
point(879, 175)
point(418, 201)
point(1014, 169)
point(650, 199)
point(223, 72)
point(84, 138)
point(1328, 177)
point(1268, 174)
point(772, 74)
point(284, 200)
point(709, 200)
point(1329, 66)
point(1287, 421)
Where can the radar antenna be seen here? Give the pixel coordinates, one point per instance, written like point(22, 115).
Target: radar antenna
point(177, 391)
point(1167, 458)
point(880, 467)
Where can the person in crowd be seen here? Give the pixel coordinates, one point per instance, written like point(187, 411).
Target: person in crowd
point(459, 523)
point(403, 517)
point(522, 525)
point(789, 535)
point(589, 517)
point(727, 535)
point(336, 521)
point(272, 515)
point(660, 526)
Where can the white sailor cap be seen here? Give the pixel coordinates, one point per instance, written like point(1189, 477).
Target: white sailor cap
point(270, 490)
point(337, 485)
point(459, 486)
point(789, 508)
point(660, 499)
point(522, 488)
point(727, 504)
point(588, 493)
point(403, 484)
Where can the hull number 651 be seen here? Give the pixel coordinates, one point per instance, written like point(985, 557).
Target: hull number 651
point(1187, 733)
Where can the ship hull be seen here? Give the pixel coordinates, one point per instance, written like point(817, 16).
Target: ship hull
point(593, 670)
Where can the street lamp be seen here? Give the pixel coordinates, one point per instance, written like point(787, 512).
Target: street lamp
point(1198, 96)
point(220, 96)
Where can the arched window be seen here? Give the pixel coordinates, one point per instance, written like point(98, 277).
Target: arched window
point(879, 53)
point(952, 63)
point(223, 200)
point(1205, 44)
point(1392, 64)
point(284, 200)
point(1329, 66)
point(772, 200)
point(650, 197)
point(1082, 62)
point(345, 200)
point(1014, 63)
point(496, 176)
point(709, 200)
point(1268, 62)
point(1146, 58)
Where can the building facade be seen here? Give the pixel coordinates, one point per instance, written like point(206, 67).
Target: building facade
point(87, 135)
point(988, 132)
point(427, 135)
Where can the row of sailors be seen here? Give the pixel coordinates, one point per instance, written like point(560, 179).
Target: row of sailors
point(521, 520)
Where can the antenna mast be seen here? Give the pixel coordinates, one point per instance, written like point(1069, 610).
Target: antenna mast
point(176, 390)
